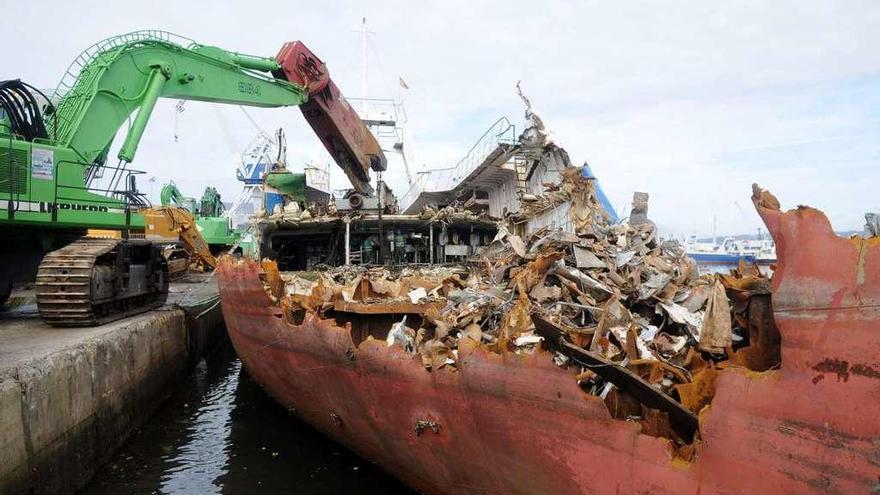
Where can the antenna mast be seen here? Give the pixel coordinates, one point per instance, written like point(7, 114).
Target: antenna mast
point(364, 62)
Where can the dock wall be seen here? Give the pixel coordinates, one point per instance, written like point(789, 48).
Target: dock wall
point(64, 411)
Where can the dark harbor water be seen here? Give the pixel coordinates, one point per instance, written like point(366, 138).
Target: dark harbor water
point(220, 433)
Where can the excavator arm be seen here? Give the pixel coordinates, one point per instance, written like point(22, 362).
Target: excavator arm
point(171, 223)
point(131, 72)
point(171, 195)
point(50, 157)
point(347, 139)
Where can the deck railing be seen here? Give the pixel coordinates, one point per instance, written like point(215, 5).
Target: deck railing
point(444, 179)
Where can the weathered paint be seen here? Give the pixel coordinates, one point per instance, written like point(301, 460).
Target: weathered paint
point(517, 424)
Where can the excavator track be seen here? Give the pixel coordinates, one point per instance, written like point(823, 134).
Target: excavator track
point(69, 284)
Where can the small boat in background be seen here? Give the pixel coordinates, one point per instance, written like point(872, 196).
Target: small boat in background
point(764, 250)
point(731, 251)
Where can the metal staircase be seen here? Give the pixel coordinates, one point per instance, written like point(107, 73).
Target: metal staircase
point(521, 167)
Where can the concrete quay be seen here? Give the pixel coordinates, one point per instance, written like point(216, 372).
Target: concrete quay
point(69, 397)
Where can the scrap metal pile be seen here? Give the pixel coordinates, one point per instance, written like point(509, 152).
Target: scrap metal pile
point(628, 315)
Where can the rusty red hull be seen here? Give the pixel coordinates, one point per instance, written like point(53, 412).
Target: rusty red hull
point(515, 424)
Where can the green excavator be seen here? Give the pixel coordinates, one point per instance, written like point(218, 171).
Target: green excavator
point(214, 226)
point(57, 180)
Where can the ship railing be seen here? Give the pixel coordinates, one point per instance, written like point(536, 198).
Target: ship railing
point(386, 119)
point(443, 179)
point(379, 112)
point(317, 177)
point(425, 182)
point(416, 188)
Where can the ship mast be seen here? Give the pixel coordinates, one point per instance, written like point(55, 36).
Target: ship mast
point(364, 63)
point(715, 228)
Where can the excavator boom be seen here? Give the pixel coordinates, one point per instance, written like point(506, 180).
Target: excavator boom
point(54, 157)
point(131, 72)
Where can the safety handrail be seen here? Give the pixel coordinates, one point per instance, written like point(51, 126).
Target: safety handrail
point(500, 132)
point(68, 79)
point(122, 196)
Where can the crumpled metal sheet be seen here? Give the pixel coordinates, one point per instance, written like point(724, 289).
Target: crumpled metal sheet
point(716, 332)
point(610, 289)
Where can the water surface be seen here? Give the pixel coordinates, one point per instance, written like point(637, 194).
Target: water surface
point(220, 433)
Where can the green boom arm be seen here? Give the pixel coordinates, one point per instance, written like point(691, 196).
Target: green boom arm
point(46, 171)
point(133, 75)
point(171, 195)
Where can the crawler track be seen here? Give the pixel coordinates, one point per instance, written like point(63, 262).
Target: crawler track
point(65, 286)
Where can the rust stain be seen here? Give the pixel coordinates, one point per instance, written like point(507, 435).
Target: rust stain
point(844, 370)
point(392, 307)
point(865, 370)
point(860, 264)
point(836, 366)
point(699, 393)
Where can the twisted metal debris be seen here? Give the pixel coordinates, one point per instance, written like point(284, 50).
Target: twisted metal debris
point(627, 314)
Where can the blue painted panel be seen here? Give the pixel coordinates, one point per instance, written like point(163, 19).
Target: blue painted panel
point(600, 194)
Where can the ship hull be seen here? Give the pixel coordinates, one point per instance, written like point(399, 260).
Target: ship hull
point(507, 423)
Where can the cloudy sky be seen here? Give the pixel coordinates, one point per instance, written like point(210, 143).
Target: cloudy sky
point(689, 102)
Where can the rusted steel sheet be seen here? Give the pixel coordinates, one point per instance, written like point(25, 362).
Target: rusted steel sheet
point(518, 424)
point(389, 308)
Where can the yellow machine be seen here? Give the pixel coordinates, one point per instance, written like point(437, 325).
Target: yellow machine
point(174, 224)
point(176, 229)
